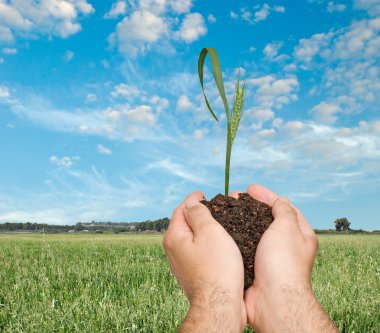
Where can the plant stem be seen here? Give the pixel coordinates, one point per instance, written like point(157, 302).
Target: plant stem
point(228, 159)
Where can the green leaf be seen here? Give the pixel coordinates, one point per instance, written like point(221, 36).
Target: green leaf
point(215, 64)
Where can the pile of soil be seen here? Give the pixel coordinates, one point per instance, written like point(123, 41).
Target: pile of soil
point(245, 219)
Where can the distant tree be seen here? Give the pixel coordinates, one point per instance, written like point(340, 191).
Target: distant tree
point(342, 224)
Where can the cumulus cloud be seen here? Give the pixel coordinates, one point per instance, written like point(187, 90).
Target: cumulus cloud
point(157, 25)
point(4, 93)
point(184, 104)
point(30, 19)
point(326, 112)
point(348, 59)
point(126, 122)
point(211, 18)
point(199, 133)
point(64, 161)
point(135, 33)
point(123, 90)
point(271, 51)
point(103, 150)
point(308, 48)
point(259, 13)
point(180, 6)
point(234, 15)
point(69, 55)
point(9, 50)
point(371, 6)
point(192, 27)
point(91, 98)
point(271, 91)
point(160, 103)
point(141, 114)
point(119, 8)
point(335, 7)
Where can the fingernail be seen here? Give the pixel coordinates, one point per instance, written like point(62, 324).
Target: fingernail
point(191, 203)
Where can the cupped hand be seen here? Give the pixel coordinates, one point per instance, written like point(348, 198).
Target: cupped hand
point(207, 263)
point(283, 263)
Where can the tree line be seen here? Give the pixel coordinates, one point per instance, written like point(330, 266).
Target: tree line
point(116, 227)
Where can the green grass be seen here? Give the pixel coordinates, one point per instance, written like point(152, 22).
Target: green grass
point(122, 283)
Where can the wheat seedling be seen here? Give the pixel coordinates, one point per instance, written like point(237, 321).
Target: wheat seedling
point(233, 116)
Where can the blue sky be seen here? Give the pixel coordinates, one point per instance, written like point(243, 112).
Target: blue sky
point(102, 117)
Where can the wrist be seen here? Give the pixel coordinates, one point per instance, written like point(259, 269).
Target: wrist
point(277, 308)
point(215, 308)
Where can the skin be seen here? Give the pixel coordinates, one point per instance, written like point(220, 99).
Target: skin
point(209, 267)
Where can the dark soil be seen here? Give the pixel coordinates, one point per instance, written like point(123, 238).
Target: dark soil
point(245, 219)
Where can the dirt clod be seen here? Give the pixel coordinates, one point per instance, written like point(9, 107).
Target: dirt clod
point(245, 219)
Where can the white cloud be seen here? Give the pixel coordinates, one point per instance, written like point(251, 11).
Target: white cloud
point(177, 170)
point(155, 25)
point(103, 150)
point(180, 6)
point(141, 114)
point(4, 92)
point(251, 49)
point(273, 92)
point(118, 8)
point(9, 50)
point(294, 127)
point(123, 122)
point(64, 161)
point(160, 103)
point(69, 55)
point(348, 61)
point(6, 35)
point(266, 133)
point(308, 48)
point(260, 13)
point(326, 112)
point(211, 18)
point(1, 60)
point(184, 104)
point(123, 90)
point(335, 7)
point(376, 126)
point(91, 98)
point(271, 51)
point(135, 33)
point(75, 195)
point(29, 19)
point(199, 133)
point(192, 27)
point(234, 15)
point(261, 114)
point(371, 6)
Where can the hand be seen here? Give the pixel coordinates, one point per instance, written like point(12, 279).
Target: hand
point(209, 267)
point(281, 297)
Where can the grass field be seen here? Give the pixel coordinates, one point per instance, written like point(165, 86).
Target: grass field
point(122, 283)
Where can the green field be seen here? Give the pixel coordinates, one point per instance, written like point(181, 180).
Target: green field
point(122, 283)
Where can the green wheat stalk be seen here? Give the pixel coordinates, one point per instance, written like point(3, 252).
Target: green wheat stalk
point(234, 115)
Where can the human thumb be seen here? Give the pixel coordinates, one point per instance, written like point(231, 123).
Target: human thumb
point(249, 298)
point(197, 215)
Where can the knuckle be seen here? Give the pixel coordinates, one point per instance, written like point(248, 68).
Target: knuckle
point(167, 243)
point(196, 212)
point(169, 240)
